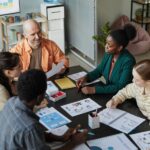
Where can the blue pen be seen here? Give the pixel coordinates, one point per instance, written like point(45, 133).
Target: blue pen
point(89, 133)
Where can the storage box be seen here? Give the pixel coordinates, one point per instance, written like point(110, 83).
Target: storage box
point(59, 95)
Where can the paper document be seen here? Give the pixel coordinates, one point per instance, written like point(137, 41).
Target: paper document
point(114, 142)
point(55, 70)
point(65, 83)
point(51, 88)
point(51, 118)
point(120, 120)
point(108, 115)
point(142, 139)
point(60, 130)
point(81, 147)
point(77, 76)
point(80, 107)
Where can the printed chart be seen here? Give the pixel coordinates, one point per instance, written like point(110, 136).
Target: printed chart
point(80, 107)
point(114, 142)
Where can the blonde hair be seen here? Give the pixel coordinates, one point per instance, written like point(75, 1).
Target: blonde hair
point(143, 69)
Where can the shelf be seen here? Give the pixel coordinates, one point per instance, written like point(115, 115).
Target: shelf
point(9, 25)
point(4, 39)
point(143, 14)
point(144, 21)
point(142, 1)
point(10, 39)
point(13, 43)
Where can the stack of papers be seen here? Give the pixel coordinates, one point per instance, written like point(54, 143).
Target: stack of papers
point(51, 118)
point(120, 120)
point(65, 83)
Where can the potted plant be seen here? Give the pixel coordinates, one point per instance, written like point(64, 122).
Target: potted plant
point(104, 32)
point(138, 14)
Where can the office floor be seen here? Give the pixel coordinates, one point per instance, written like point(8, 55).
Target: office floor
point(74, 61)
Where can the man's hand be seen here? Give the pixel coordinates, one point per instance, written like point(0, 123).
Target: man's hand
point(79, 138)
point(111, 104)
point(70, 132)
point(43, 104)
point(88, 90)
point(63, 69)
point(67, 135)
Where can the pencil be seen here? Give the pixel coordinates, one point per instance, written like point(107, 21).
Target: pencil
point(89, 133)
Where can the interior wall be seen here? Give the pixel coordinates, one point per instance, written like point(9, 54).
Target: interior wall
point(109, 10)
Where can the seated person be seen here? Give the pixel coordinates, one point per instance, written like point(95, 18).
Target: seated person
point(10, 68)
point(21, 128)
point(37, 52)
point(141, 43)
point(116, 65)
point(139, 89)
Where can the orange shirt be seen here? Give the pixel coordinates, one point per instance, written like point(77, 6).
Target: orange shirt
point(51, 53)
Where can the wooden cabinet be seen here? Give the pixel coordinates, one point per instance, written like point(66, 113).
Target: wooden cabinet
point(11, 33)
point(140, 12)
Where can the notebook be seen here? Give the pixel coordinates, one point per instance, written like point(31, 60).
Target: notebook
point(65, 83)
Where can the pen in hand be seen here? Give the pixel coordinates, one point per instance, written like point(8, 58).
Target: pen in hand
point(79, 89)
point(81, 130)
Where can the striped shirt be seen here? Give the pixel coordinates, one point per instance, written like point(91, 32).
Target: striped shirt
point(134, 91)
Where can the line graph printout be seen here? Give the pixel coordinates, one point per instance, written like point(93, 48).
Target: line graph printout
point(114, 142)
point(120, 120)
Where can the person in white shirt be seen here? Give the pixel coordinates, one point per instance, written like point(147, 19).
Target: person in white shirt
point(139, 89)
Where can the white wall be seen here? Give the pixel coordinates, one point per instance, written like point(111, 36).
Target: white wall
point(30, 6)
point(109, 10)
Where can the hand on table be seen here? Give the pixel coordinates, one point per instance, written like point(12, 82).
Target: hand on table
point(88, 90)
point(43, 104)
point(79, 137)
point(75, 136)
point(111, 104)
point(81, 82)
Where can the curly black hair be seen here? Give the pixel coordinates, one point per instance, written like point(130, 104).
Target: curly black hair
point(31, 84)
